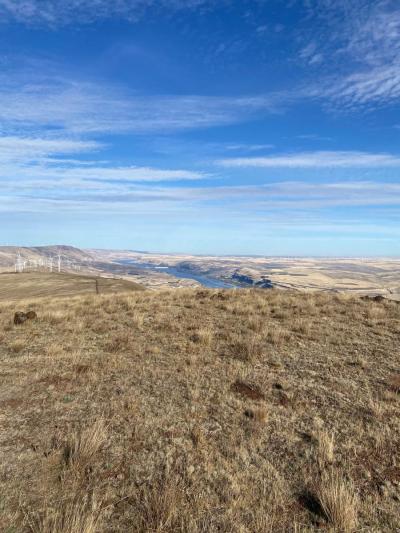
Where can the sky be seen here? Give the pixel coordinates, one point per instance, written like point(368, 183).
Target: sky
point(252, 127)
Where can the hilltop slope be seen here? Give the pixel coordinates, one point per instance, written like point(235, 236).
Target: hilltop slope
point(14, 287)
point(70, 253)
point(229, 411)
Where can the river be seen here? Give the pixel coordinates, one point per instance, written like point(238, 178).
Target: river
point(206, 281)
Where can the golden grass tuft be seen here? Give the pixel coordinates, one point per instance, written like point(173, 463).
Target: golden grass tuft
point(81, 515)
point(159, 506)
point(339, 502)
point(82, 446)
point(119, 342)
point(246, 348)
point(325, 448)
point(278, 335)
point(203, 336)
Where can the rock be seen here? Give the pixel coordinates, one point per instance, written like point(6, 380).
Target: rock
point(201, 294)
point(20, 317)
point(383, 490)
point(219, 296)
point(249, 391)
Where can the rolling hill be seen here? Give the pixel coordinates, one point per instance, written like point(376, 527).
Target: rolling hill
point(8, 254)
point(200, 411)
point(27, 285)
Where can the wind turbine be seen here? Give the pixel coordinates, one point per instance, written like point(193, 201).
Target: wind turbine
point(19, 265)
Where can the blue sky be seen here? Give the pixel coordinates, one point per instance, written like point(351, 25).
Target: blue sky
point(266, 127)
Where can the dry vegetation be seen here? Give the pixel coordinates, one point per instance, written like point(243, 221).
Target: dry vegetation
point(200, 411)
point(14, 287)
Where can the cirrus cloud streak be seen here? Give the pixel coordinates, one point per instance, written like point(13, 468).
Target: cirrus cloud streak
point(319, 159)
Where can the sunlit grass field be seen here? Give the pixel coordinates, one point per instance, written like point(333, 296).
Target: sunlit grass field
point(200, 411)
point(17, 286)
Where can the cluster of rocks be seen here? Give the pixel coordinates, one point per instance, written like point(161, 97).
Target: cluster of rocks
point(21, 317)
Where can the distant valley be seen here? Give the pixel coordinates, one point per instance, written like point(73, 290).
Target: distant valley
point(364, 276)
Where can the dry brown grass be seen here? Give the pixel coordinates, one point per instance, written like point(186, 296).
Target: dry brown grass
point(78, 516)
point(203, 336)
point(83, 446)
point(394, 383)
point(200, 411)
point(16, 287)
point(325, 448)
point(339, 502)
point(17, 345)
point(246, 348)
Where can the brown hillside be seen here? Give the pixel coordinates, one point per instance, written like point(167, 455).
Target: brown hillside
point(200, 411)
point(14, 287)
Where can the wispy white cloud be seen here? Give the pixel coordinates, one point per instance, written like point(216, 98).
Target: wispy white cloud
point(314, 137)
point(360, 41)
point(310, 54)
point(243, 199)
point(377, 39)
point(24, 149)
point(249, 147)
point(61, 175)
point(320, 159)
point(63, 12)
point(27, 101)
point(377, 86)
point(357, 41)
point(43, 164)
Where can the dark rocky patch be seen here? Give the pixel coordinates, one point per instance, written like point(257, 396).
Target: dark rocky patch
point(248, 391)
point(20, 317)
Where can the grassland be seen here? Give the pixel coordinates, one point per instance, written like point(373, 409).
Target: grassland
point(200, 411)
point(14, 287)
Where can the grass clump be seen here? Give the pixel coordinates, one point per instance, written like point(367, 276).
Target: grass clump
point(339, 502)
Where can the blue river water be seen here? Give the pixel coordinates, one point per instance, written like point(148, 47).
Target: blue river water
point(206, 281)
point(212, 283)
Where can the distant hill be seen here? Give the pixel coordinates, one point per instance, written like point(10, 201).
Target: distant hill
point(28, 285)
point(8, 254)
